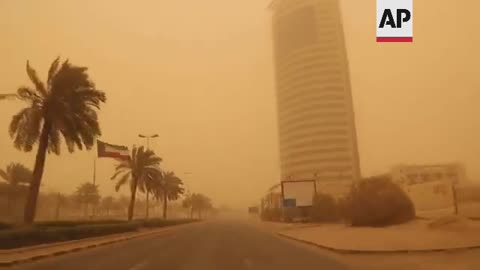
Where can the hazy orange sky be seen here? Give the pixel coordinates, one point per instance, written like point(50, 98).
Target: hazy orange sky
point(200, 74)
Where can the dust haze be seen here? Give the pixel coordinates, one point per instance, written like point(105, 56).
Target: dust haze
point(200, 74)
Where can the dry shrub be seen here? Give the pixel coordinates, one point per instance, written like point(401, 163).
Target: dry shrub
point(377, 201)
point(324, 208)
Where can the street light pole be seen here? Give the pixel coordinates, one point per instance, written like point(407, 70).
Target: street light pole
point(147, 208)
point(148, 137)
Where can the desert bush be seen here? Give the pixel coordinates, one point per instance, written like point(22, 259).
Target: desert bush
point(377, 201)
point(48, 232)
point(324, 208)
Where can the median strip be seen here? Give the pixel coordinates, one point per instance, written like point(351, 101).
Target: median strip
point(25, 254)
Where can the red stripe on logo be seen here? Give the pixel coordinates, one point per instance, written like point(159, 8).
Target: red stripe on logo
point(394, 39)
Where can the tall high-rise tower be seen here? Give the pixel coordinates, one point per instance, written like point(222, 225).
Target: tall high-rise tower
point(315, 111)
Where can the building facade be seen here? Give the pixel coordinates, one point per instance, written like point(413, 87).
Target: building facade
point(315, 111)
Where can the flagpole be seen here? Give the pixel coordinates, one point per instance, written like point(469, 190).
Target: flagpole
point(94, 170)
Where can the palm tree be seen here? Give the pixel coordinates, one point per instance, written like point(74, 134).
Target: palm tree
point(65, 106)
point(18, 178)
point(87, 194)
point(168, 187)
point(140, 167)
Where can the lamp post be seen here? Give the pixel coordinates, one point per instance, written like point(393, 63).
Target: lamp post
point(187, 193)
point(148, 137)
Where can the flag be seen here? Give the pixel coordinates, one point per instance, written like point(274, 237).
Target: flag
point(106, 150)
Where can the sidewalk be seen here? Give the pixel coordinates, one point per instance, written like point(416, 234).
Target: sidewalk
point(14, 256)
point(416, 236)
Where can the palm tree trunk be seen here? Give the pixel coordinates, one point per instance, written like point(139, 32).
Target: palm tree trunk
point(147, 206)
point(132, 200)
point(31, 205)
point(165, 201)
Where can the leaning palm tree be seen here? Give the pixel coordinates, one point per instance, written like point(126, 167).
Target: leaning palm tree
point(18, 178)
point(168, 187)
point(65, 106)
point(139, 168)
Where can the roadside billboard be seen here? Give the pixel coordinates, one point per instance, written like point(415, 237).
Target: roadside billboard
point(298, 193)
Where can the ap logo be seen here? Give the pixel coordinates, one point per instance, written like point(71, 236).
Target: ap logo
point(394, 20)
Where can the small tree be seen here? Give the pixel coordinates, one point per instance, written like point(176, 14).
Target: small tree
point(377, 201)
point(18, 178)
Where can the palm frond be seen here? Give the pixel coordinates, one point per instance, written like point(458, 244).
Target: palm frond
point(118, 172)
point(29, 95)
point(91, 96)
point(69, 78)
point(4, 175)
point(52, 71)
point(25, 128)
point(39, 86)
point(54, 141)
point(122, 181)
point(122, 165)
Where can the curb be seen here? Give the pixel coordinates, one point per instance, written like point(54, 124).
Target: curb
point(160, 232)
point(357, 251)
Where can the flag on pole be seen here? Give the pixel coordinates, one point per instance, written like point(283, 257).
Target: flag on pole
point(106, 150)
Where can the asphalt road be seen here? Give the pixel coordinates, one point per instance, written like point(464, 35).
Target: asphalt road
point(222, 245)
